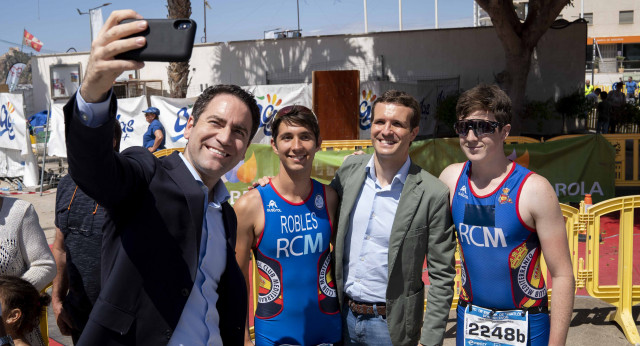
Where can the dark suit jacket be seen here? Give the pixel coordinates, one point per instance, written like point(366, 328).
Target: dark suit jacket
point(151, 240)
point(422, 229)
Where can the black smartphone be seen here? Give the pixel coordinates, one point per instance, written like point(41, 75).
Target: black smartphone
point(167, 40)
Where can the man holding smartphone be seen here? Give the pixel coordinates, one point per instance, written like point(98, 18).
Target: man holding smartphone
point(168, 270)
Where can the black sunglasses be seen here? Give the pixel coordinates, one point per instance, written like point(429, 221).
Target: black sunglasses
point(479, 127)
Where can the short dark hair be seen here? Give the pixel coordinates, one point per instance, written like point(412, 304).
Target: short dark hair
point(117, 135)
point(296, 115)
point(597, 91)
point(18, 293)
point(246, 97)
point(603, 95)
point(401, 98)
point(485, 97)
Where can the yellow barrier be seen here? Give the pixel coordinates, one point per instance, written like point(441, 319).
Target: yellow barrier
point(165, 152)
point(337, 145)
point(520, 140)
point(624, 294)
point(44, 324)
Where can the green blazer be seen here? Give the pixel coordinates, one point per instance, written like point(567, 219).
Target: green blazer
point(422, 228)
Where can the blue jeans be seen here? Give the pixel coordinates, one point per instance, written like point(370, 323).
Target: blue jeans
point(364, 329)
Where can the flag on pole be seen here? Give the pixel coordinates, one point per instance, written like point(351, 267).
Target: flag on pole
point(96, 22)
point(31, 41)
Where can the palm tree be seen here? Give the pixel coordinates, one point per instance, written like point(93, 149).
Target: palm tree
point(178, 72)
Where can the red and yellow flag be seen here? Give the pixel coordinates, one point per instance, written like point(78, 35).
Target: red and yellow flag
point(31, 41)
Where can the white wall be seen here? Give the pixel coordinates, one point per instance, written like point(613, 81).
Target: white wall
point(606, 16)
point(474, 54)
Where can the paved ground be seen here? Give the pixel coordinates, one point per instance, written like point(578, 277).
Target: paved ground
point(588, 326)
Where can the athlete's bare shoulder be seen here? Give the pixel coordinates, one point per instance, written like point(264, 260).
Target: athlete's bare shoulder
point(450, 175)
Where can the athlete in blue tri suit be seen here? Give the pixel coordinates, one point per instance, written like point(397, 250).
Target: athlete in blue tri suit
point(506, 217)
point(287, 224)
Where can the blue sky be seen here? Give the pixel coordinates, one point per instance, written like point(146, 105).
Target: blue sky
point(59, 26)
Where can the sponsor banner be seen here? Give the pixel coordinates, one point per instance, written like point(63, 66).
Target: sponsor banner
point(428, 93)
point(591, 159)
point(174, 114)
point(271, 98)
point(13, 126)
point(132, 121)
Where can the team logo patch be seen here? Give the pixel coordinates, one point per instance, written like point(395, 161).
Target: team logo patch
point(530, 279)
point(463, 192)
point(319, 202)
point(270, 301)
point(504, 196)
point(272, 207)
point(517, 256)
point(327, 296)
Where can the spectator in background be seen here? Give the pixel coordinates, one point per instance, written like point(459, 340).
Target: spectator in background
point(617, 85)
point(631, 90)
point(76, 249)
point(24, 249)
point(154, 138)
point(588, 88)
point(22, 305)
point(616, 99)
point(593, 97)
point(604, 114)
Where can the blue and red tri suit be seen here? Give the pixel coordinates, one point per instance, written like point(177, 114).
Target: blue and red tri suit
point(297, 300)
point(499, 253)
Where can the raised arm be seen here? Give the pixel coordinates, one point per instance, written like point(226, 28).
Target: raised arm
point(90, 116)
point(540, 206)
point(250, 219)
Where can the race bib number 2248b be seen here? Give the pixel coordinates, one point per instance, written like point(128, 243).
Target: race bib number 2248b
point(485, 327)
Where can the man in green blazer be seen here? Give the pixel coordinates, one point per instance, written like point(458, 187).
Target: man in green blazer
point(393, 215)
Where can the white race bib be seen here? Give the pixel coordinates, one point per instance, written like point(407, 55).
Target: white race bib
point(485, 327)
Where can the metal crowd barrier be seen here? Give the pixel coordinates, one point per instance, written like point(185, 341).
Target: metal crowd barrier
point(624, 294)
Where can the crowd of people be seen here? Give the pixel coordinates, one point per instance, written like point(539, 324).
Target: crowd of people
point(148, 250)
point(608, 106)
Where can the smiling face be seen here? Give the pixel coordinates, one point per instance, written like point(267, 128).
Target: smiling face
point(391, 132)
point(296, 146)
point(220, 138)
point(477, 148)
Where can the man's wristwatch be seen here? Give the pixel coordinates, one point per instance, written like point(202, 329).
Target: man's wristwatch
point(6, 341)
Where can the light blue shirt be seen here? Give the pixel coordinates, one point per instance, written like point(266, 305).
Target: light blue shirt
point(199, 322)
point(367, 242)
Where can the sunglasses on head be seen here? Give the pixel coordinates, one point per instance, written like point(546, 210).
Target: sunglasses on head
point(479, 127)
point(293, 109)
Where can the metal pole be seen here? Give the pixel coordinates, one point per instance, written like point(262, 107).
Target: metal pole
point(366, 25)
point(593, 59)
point(298, 6)
point(475, 14)
point(44, 155)
point(400, 13)
point(581, 8)
point(204, 10)
point(436, 14)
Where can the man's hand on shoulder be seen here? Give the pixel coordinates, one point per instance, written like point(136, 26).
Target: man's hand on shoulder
point(103, 69)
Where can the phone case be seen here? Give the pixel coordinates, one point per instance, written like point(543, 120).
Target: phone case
point(167, 40)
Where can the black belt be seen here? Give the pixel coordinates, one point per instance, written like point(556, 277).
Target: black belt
point(532, 310)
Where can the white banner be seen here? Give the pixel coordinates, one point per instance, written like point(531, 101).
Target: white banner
point(273, 97)
point(132, 121)
point(428, 94)
point(14, 75)
point(57, 145)
point(174, 114)
point(15, 150)
point(13, 128)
